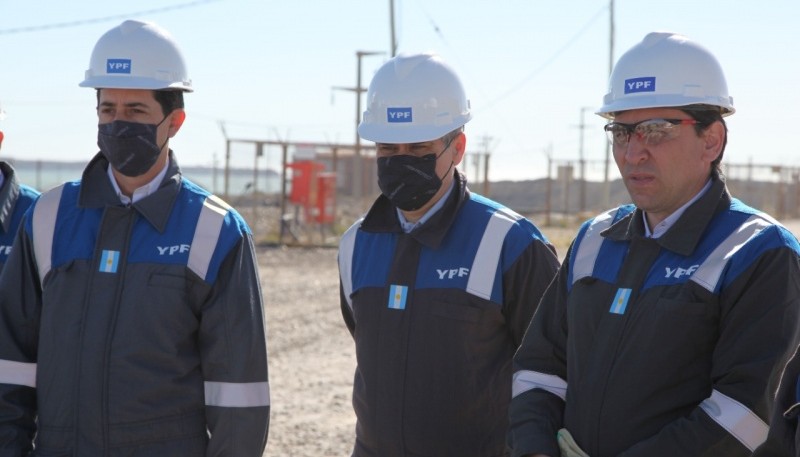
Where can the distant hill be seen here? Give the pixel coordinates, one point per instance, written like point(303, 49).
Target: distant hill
point(45, 174)
point(530, 197)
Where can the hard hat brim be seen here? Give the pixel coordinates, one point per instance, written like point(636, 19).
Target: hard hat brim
point(121, 82)
point(381, 133)
point(663, 101)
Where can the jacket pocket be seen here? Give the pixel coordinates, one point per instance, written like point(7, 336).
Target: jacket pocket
point(171, 281)
point(677, 308)
point(456, 311)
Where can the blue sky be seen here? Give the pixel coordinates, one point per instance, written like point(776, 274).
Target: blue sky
point(268, 68)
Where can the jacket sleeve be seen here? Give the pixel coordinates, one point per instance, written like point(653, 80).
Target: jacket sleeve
point(759, 315)
point(347, 313)
point(234, 358)
point(783, 428)
point(344, 260)
point(540, 375)
point(524, 285)
point(20, 304)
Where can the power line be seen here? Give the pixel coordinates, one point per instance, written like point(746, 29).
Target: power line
point(62, 25)
point(547, 63)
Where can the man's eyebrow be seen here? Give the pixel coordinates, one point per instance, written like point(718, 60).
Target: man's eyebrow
point(127, 105)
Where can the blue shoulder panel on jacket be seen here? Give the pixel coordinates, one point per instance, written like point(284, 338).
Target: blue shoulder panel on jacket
point(173, 246)
point(610, 253)
point(730, 244)
point(76, 231)
point(25, 199)
point(519, 237)
point(775, 236)
point(76, 228)
point(372, 258)
point(484, 241)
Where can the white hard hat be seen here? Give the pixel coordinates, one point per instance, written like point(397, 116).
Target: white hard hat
point(666, 70)
point(414, 98)
point(137, 55)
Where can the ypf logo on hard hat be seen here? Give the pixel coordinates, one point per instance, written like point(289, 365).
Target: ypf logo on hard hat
point(644, 84)
point(120, 66)
point(398, 115)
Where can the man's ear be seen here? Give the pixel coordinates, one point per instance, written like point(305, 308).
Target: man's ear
point(176, 119)
point(460, 145)
point(714, 138)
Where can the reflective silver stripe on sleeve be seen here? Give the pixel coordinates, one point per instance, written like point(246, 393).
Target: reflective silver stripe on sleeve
point(525, 380)
point(237, 394)
point(346, 247)
point(584, 259)
point(736, 419)
point(44, 226)
point(206, 234)
point(709, 272)
point(219, 202)
point(484, 266)
point(17, 373)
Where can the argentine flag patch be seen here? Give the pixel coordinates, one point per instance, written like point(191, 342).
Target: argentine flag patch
point(109, 260)
point(397, 296)
point(620, 301)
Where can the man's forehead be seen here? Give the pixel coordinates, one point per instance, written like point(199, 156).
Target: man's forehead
point(635, 115)
point(127, 96)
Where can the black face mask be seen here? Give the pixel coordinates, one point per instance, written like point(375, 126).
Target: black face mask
point(130, 147)
point(410, 181)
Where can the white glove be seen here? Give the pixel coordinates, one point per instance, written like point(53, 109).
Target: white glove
point(568, 446)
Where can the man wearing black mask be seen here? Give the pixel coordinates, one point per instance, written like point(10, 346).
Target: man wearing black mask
point(132, 319)
point(437, 283)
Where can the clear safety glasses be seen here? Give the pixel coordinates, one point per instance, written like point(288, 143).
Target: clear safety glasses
point(649, 131)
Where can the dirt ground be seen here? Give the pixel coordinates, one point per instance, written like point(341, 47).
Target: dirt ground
point(311, 357)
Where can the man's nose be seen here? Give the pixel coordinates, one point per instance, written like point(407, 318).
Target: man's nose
point(636, 149)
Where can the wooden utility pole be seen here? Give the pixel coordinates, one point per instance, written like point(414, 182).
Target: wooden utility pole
point(358, 165)
point(227, 175)
point(549, 185)
point(284, 166)
point(391, 28)
point(582, 163)
point(485, 142)
point(606, 183)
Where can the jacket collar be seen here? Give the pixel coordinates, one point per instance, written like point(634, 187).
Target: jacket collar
point(9, 194)
point(685, 234)
point(97, 192)
point(382, 216)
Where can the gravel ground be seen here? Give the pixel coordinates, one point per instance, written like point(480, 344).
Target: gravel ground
point(311, 357)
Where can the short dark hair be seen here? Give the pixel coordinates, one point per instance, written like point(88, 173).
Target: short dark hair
point(451, 135)
point(170, 100)
point(705, 115)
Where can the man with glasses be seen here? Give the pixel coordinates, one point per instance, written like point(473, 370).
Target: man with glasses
point(669, 318)
point(437, 283)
